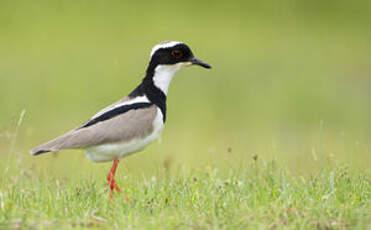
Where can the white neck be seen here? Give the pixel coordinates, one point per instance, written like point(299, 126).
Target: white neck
point(163, 75)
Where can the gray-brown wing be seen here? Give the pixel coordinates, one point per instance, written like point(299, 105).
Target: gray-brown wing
point(134, 123)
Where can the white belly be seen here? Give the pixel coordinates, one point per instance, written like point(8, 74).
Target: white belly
point(109, 152)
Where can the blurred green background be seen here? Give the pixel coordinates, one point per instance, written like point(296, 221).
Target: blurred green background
point(291, 80)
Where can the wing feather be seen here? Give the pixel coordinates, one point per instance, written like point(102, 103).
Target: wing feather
point(120, 123)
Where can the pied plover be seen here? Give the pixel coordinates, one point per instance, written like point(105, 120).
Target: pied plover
point(133, 122)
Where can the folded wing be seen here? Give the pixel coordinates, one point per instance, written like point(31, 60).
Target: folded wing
point(120, 122)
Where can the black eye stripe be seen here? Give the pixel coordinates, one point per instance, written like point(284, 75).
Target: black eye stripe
point(169, 56)
point(177, 53)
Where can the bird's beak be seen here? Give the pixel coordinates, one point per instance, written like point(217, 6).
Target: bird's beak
point(196, 61)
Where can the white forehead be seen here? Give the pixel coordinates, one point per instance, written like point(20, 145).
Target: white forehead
point(166, 44)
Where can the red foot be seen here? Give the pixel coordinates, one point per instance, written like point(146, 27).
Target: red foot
point(111, 181)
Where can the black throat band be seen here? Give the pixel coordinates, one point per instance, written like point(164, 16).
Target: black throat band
point(154, 94)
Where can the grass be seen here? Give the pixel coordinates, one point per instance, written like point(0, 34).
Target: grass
point(255, 195)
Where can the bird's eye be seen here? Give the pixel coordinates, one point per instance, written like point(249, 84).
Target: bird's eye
point(177, 53)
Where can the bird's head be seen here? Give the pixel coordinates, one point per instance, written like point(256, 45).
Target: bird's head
point(174, 54)
point(167, 58)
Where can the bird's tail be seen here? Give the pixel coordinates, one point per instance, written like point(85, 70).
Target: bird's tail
point(51, 146)
point(37, 151)
point(44, 148)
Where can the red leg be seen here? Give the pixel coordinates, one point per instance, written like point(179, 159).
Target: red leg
point(110, 178)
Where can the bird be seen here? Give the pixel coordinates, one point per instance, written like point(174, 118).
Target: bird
point(132, 123)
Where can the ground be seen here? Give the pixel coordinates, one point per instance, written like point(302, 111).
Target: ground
point(256, 195)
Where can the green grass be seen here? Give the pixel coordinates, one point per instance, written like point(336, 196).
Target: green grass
point(255, 195)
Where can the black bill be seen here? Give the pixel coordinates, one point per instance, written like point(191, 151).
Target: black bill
point(196, 61)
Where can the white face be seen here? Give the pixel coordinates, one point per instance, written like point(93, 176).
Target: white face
point(164, 74)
